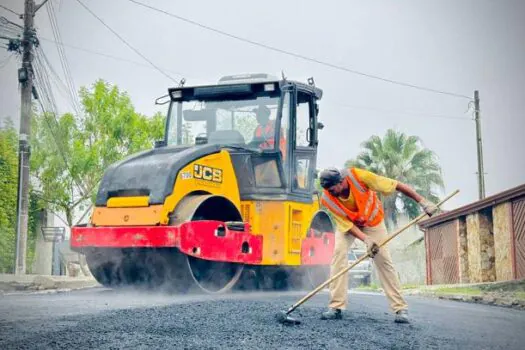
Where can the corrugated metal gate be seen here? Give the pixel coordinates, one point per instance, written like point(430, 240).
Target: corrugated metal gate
point(518, 219)
point(443, 256)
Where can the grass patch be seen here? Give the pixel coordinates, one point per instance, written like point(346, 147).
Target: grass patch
point(508, 286)
point(459, 290)
point(411, 286)
point(514, 289)
point(374, 286)
point(371, 287)
point(520, 295)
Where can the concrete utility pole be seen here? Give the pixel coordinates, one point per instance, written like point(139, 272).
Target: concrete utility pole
point(25, 78)
point(481, 172)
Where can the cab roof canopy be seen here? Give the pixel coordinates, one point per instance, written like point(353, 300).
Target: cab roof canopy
point(238, 85)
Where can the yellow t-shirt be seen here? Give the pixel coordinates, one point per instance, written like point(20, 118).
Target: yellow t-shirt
point(373, 182)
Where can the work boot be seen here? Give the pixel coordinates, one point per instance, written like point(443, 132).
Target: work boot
point(332, 314)
point(401, 316)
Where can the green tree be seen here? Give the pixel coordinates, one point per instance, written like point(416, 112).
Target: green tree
point(111, 128)
point(403, 158)
point(246, 125)
point(8, 189)
point(71, 153)
point(8, 201)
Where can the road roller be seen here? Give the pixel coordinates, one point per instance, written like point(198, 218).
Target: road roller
point(226, 200)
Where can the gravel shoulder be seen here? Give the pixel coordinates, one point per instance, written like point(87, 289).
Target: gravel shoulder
point(12, 284)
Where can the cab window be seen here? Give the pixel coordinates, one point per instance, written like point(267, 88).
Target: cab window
point(304, 117)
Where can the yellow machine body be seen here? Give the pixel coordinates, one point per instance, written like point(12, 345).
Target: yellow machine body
point(283, 224)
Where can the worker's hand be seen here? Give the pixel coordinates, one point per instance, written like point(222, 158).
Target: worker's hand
point(371, 246)
point(429, 207)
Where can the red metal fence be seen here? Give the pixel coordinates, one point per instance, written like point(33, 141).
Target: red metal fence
point(442, 250)
point(518, 219)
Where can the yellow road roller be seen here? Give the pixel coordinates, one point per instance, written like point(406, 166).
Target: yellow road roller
point(227, 200)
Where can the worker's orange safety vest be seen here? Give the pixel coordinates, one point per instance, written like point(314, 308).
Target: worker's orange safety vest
point(369, 208)
point(268, 134)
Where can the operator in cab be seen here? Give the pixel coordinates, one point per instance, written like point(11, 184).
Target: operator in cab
point(265, 130)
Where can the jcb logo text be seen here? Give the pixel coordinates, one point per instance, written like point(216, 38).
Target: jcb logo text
point(207, 173)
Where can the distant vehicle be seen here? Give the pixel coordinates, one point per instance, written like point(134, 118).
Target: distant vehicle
point(362, 273)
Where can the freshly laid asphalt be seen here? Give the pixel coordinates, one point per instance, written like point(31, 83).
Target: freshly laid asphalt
point(106, 319)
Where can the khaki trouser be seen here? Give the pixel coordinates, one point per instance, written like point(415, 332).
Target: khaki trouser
point(382, 262)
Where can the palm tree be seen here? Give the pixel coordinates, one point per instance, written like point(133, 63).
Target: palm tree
point(401, 157)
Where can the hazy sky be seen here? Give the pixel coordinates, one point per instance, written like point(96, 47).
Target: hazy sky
point(457, 46)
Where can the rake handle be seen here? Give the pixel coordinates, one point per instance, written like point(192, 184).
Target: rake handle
point(367, 255)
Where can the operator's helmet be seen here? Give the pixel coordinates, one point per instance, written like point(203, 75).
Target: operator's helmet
point(330, 177)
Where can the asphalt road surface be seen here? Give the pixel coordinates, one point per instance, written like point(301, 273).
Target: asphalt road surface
point(106, 319)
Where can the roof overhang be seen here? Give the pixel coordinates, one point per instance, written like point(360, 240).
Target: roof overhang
point(491, 201)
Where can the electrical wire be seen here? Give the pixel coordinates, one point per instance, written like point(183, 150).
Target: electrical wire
point(8, 9)
point(102, 54)
point(62, 57)
point(401, 112)
point(421, 114)
point(72, 91)
point(49, 107)
point(43, 86)
point(60, 43)
point(8, 28)
point(4, 20)
point(125, 42)
point(296, 55)
point(56, 78)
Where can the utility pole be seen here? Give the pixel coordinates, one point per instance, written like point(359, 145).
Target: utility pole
point(25, 78)
point(481, 172)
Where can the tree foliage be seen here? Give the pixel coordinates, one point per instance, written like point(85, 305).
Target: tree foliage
point(403, 158)
point(8, 189)
point(71, 152)
point(8, 202)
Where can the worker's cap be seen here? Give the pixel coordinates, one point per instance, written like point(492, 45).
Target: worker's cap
point(330, 177)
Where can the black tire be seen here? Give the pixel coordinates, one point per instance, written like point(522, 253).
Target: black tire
point(106, 275)
point(200, 274)
point(149, 269)
point(213, 277)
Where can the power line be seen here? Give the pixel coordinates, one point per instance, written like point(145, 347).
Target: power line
point(58, 81)
point(9, 28)
point(124, 41)
point(99, 53)
point(5, 21)
point(63, 58)
point(42, 82)
point(8, 9)
point(348, 106)
point(421, 114)
point(293, 54)
point(414, 113)
point(46, 95)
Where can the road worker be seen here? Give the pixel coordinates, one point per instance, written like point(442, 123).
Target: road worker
point(265, 131)
point(351, 195)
